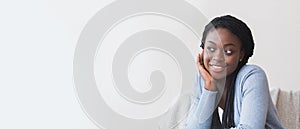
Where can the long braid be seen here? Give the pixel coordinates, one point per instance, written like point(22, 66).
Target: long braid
point(229, 108)
point(242, 31)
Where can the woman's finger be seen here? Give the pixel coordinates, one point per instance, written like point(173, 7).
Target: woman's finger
point(200, 58)
point(209, 81)
point(202, 70)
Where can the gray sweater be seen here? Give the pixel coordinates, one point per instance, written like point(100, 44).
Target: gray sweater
point(253, 106)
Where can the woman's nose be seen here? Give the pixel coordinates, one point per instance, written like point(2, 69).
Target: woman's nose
point(219, 55)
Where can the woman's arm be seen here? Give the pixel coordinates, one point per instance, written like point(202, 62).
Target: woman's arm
point(255, 100)
point(202, 108)
point(204, 104)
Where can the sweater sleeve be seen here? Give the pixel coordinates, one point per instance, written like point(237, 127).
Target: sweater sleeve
point(255, 94)
point(202, 108)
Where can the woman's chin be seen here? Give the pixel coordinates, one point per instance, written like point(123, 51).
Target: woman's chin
point(219, 75)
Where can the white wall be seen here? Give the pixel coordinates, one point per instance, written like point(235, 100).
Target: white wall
point(38, 39)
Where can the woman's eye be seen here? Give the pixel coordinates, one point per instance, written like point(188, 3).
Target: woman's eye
point(211, 49)
point(228, 52)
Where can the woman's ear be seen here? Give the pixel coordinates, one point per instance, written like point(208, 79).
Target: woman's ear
point(242, 54)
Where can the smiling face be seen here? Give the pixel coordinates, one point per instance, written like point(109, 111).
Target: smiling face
point(222, 52)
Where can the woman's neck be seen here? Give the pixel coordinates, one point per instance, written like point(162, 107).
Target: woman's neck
point(223, 92)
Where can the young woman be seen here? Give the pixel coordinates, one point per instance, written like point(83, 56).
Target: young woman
point(225, 81)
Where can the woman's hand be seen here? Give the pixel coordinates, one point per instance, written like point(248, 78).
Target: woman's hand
point(210, 82)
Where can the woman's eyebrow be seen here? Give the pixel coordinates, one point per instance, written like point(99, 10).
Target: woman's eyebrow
point(229, 44)
point(211, 42)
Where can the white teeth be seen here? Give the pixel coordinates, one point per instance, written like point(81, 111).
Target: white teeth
point(216, 66)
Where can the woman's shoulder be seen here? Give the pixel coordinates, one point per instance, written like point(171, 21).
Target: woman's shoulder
point(251, 76)
point(247, 70)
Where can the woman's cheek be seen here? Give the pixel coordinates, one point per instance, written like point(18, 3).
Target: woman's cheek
point(232, 63)
point(206, 60)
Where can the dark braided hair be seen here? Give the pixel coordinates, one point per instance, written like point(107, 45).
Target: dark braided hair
point(242, 31)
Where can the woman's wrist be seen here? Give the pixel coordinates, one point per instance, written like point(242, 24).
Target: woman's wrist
point(209, 86)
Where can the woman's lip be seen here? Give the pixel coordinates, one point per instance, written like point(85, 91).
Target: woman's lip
point(217, 68)
point(218, 65)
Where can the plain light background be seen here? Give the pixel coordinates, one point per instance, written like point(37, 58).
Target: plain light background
point(38, 38)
